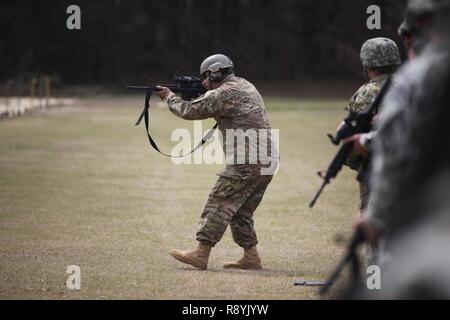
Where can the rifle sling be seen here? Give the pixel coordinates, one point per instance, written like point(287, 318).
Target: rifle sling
point(145, 114)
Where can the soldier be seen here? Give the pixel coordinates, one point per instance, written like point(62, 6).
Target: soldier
point(410, 177)
point(380, 58)
point(235, 104)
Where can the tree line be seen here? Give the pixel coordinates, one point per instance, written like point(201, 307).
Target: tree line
point(136, 39)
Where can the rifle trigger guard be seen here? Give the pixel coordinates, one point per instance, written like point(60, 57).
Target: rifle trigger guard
point(320, 174)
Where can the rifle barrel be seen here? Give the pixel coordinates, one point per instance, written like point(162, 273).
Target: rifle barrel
point(138, 87)
point(175, 88)
point(313, 202)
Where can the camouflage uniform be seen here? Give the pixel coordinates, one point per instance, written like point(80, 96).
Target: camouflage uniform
point(376, 54)
point(362, 99)
point(379, 55)
point(236, 104)
point(360, 102)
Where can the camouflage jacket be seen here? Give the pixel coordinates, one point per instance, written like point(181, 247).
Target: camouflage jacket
point(235, 105)
point(365, 95)
point(359, 102)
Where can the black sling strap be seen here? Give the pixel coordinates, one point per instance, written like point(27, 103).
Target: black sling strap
point(146, 116)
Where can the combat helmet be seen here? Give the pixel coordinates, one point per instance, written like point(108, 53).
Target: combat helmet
point(216, 67)
point(379, 53)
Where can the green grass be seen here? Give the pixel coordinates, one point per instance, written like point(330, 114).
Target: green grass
point(79, 185)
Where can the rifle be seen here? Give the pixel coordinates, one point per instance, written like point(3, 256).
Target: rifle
point(354, 124)
point(189, 88)
point(350, 256)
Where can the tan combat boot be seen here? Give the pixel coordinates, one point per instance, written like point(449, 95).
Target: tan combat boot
point(250, 261)
point(197, 258)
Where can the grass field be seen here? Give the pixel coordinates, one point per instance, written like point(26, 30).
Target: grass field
point(80, 186)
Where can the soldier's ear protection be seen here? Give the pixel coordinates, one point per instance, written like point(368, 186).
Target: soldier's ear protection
point(214, 76)
point(217, 76)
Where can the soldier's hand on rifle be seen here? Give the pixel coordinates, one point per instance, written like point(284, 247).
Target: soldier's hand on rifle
point(371, 234)
point(358, 148)
point(162, 92)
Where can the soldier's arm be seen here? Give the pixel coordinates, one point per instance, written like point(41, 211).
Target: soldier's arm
point(206, 106)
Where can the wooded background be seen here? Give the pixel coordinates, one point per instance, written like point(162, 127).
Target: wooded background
point(122, 41)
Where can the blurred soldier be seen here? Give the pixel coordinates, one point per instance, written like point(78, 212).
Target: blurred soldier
point(235, 104)
point(411, 167)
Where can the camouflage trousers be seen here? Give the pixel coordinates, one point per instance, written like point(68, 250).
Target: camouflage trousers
point(372, 252)
point(232, 201)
